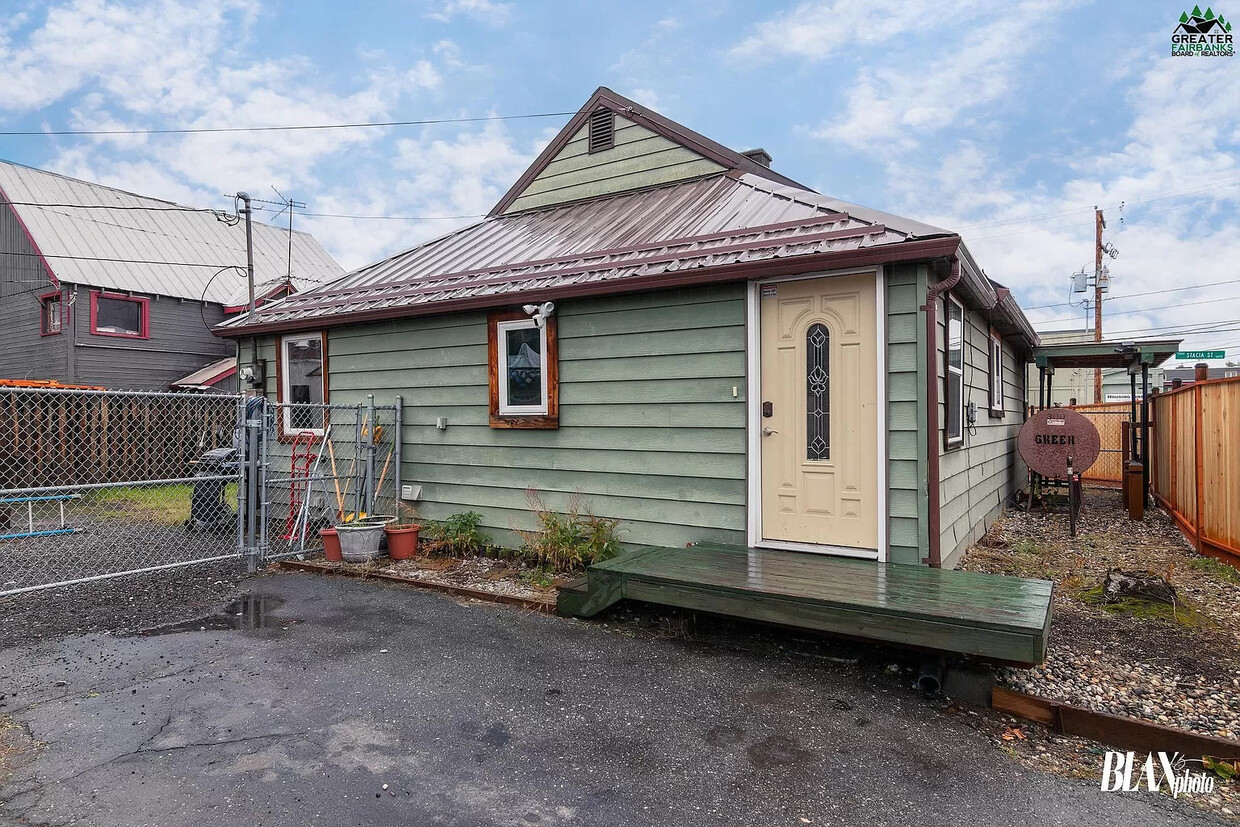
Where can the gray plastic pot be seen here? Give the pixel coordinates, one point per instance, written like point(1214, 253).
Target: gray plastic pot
point(359, 541)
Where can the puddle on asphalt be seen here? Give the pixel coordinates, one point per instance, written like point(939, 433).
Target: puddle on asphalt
point(249, 612)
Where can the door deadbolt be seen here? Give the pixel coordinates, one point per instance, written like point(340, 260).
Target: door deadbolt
point(768, 409)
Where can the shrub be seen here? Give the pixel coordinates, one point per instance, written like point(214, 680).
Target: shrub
point(568, 541)
point(457, 536)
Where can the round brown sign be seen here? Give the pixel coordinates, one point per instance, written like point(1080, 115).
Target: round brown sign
point(1051, 439)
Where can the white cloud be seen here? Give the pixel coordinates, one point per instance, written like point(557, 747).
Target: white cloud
point(1179, 174)
point(816, 31)
point(895, 106)
point(485, 11)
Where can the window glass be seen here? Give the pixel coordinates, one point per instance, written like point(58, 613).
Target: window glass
point(523, 349)
point(303, 381)
point(955, 370)
point(818, 393)
point(996, 374)
point(51, 315)
point(118, 316)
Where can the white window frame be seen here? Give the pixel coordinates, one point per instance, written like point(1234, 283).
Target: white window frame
point(948, 370)
point(501, 363)
point(996, 374)
point(286, 394)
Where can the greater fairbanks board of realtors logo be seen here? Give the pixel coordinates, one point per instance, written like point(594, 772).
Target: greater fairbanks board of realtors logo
point(1202, 35)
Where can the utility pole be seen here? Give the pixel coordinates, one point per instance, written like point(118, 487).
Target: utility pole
point(249, 246)
point(1099, 225)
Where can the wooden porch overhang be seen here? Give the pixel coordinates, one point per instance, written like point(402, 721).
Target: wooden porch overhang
point(988, 616)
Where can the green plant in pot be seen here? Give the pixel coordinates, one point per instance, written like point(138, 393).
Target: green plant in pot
point(402, 534)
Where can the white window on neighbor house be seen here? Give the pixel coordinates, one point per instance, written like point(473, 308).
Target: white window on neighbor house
point(303, 383)
point(523, 361)
point(996, 374)
point(954, 398)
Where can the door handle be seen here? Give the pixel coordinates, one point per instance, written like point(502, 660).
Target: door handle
point(768, 431)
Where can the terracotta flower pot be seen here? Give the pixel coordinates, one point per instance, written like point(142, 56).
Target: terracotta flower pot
point(402, 540)
point(331, 545)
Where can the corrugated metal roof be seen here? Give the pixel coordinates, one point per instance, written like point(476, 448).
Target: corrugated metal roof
point(207, 376)
point(711, 222)
point(196, 243)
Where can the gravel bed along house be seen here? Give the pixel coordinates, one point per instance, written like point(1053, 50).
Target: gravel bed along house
point(481, 573)
point(1177, 665)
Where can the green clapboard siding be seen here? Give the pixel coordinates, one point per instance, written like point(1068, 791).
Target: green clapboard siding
point(649, 430)
point(639, 159)
point(977, 477)
point(906, 475)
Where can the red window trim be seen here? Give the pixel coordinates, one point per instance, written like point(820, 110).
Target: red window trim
point(54, 294)
point(95, 295)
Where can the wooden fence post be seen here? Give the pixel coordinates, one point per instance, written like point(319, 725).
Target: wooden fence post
point(1199, 461)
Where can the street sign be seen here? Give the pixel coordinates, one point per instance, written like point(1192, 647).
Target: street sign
point(1200, 354)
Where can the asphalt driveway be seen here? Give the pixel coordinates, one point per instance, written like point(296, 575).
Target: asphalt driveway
point(360, 703)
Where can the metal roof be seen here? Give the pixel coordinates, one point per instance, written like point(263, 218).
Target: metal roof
point(596, 246)
point(164, 251)
point(1113, 354)
point(206, 377)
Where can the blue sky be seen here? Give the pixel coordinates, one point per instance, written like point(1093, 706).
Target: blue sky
point(1007, 122)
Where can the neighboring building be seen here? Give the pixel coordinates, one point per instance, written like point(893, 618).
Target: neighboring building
point(1078, 383)
point(703, 347)
point(103, 287)
point(1187, 375)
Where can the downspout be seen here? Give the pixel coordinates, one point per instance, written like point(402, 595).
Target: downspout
point(934, 441)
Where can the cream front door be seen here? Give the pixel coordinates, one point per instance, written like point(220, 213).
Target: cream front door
point(819, 417)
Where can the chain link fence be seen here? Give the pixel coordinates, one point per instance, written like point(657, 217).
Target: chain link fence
point(322, 465)
point(97, 483)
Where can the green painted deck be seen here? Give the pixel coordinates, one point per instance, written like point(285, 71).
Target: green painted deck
point(986, 615)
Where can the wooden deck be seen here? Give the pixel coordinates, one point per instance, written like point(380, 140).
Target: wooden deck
point(987, 615)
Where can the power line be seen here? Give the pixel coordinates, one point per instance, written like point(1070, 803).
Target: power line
point(395, 217)
point(1138, 295)
point(174, 208)
point(291, 128)
point(1147, 309)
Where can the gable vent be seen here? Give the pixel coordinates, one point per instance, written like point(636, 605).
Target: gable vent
point(602, 130)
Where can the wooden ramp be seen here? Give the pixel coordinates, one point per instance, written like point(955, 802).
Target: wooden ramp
point(987, 615)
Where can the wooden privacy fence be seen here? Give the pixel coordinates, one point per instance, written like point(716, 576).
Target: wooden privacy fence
point(1109, 419)
point(1195, 471)
point(55, 437)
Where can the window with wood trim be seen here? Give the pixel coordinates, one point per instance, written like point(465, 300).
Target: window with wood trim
point(523, 371)
point(602, 130)
point(996, 374)
point(115, 314)
point(51, 320)
point(302, 386)
point(953, 399)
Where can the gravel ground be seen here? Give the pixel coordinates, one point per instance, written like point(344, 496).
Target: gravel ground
point(482, 573)
point(121, 604)
point(1177, 667)
point(103, 546)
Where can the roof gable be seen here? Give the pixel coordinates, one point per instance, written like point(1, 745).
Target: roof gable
point(649, 150)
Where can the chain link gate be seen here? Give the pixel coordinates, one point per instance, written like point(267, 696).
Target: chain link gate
point(310, 466)
point(98, 484)
point(95, 484)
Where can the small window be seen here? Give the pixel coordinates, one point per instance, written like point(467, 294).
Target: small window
point(818, 393)
point(117, 315)
point(50, 319)
point(523, 371)
point(602, 130)
point(955, 372)
point(302, 387)
point(996, 374)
